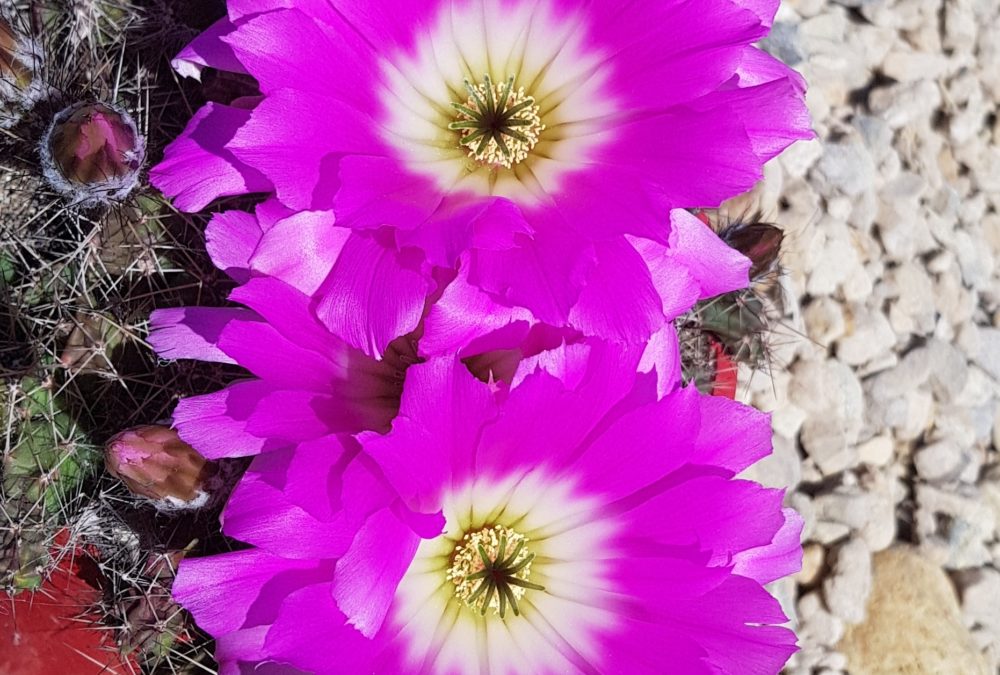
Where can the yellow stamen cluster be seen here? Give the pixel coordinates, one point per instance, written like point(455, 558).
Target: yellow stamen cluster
point(490, 570)
point(499, 125)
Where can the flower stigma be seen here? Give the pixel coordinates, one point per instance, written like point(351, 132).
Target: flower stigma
point(490, 570)
point(499, 125)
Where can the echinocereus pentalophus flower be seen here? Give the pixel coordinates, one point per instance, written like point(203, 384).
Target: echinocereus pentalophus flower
point(522, 139)
point(591, 527)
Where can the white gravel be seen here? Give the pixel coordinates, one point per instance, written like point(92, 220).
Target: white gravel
point(886, 409)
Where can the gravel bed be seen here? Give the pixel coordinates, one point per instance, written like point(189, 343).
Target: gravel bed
point(885, 389)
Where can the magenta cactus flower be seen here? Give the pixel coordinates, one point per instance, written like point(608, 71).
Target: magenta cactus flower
point(92, 153)
point(308, 382)
point(312, 382)
point(536, 145)
point(570, 524)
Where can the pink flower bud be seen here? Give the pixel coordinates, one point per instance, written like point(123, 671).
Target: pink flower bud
point(155, 463)
point(92, 153)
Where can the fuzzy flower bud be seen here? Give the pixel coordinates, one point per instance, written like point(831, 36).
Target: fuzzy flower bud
point(92, 153)
point(155, 463)
point(20, 65)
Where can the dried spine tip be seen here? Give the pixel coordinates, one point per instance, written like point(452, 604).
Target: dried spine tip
point(92, 153)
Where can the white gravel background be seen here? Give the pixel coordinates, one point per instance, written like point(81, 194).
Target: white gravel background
point(887, 407)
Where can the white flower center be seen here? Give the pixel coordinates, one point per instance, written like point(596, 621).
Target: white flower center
point(499, 98)
point(552, 551)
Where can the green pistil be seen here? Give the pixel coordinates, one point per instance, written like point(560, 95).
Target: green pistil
point(498, 125)
point(487, 574)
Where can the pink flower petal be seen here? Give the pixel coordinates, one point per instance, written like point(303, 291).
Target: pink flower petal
point(345, 72)
point(296, 146)
point(230, 239)
point(783, 556)
point(193, 332)
point(198, 169)
point(373, 295)
point(318, 243)
point(220, 591)
point(216, 424)
point(208, 50)
point(619, 273)
point(309, 624)
point(368, 574)
point(434, 436)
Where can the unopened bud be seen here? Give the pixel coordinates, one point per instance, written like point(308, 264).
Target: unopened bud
point(155, 463)
point(92, 153)
point(759, 241)
point(20, 66)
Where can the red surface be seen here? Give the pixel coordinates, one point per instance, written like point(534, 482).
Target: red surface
point(49, 631)
point(725, 373)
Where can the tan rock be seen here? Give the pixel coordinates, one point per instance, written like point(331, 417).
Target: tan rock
point(914, 625)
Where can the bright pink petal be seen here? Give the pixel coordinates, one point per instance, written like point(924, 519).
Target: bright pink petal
point(726, 622)
point(289, 139)
point(368, 574)
point(377, 191)
point(711, 513)
point(216, 424)
point(663, 355)
point(619, 301)
point(764, 9)
point(725, 615)
point(774, 114)
point(547, 415)
point(543, 274)
point(208, 50)
point(671, 52)
point(198, 169)
point(464, 313)
point(221, 590)
point(288, 310)
point(463, 221)
point(260, 514)
point(732, 435)
point(759, 67)
point(304, 265)
point(309, 625)
point(295, 415)
point(193, 332)
point(373, 295)
point(715, 266)
point(230, 239)
point(347, 70)
point(633, 451)
point(434, 437)
point(268, 354)
point(780, 558)
point(706, 158)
